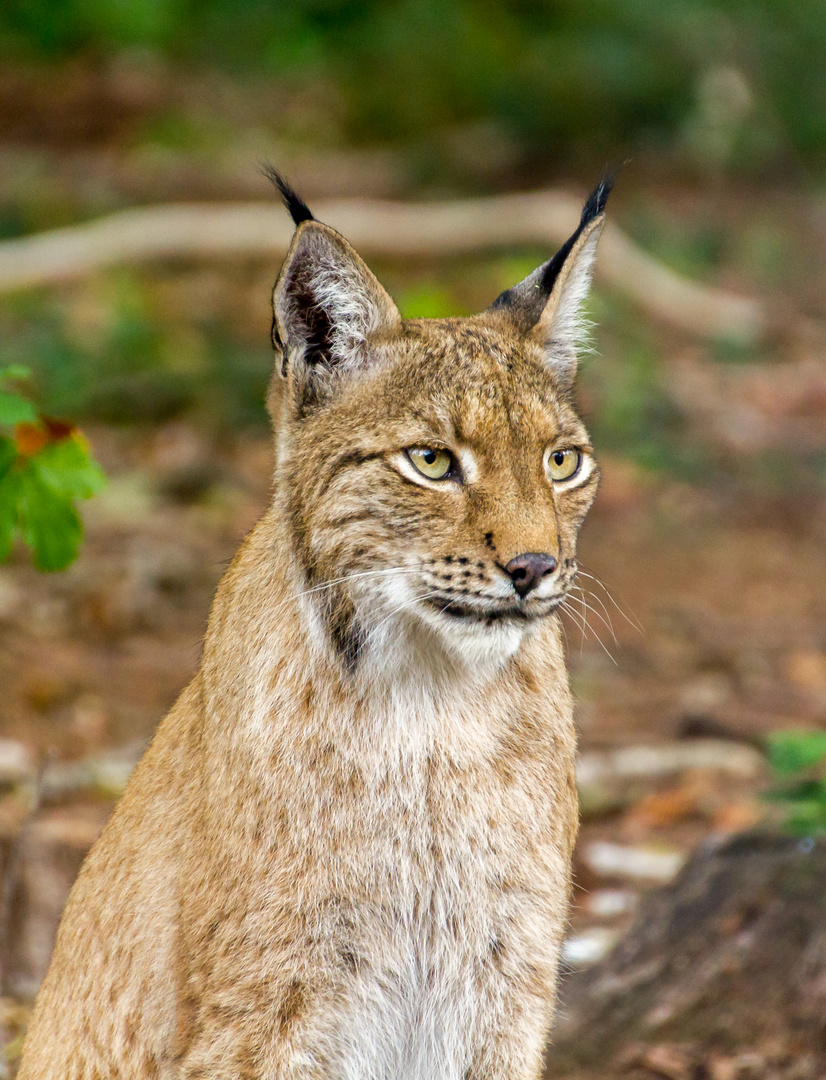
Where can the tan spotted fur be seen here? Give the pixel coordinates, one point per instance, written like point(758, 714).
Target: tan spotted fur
point(346, 853)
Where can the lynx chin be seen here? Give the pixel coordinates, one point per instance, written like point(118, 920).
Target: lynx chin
point(346, 853)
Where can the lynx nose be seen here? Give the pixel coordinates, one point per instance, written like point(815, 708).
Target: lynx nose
point(526, 571)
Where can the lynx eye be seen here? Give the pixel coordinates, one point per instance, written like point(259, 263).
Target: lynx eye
point(563, 464)
point(434, 464)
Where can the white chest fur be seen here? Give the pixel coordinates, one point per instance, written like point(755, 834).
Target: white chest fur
point(430, 894)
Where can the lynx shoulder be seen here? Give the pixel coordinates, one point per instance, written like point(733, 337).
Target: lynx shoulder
point(347, 850)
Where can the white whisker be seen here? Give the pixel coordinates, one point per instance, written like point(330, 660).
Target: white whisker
point(340, 580)
point(401, 607)
point(584, 617)
point(632, 619)
point(360, 574)
point(577, 617)
point(606, 617)
point(606, 622)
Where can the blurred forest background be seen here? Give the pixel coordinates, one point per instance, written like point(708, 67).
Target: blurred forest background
point(705, 626)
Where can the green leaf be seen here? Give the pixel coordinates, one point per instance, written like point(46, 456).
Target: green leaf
point(9, 490)
point(793, 751)
point(49, 523)
point(15, 409)
point(807, 819)
point(808, 791)
point(8, 455)
point(68, 469)
point(15, 371)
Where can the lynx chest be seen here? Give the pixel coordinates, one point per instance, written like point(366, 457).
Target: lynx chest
point(433, 896)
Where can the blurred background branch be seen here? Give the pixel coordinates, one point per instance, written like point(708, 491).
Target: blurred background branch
point(393, 230)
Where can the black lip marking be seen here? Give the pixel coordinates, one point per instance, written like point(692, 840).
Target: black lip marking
point(457, 610)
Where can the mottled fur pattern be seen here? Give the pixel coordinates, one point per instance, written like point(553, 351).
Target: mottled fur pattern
point(347, 852)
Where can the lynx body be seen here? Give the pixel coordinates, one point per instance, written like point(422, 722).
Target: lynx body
point(346, 853)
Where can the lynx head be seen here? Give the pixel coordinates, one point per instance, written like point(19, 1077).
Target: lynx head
point(434, 472)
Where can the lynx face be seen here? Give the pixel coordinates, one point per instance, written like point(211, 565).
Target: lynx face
point(436, 471)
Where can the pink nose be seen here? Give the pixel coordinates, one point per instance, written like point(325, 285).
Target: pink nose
point(526, 571)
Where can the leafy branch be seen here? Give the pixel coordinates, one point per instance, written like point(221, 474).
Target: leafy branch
point(798, 759)
point(45, 465)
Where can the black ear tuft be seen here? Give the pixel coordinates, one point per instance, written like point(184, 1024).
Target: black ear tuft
point(594, 206)
point(299, 211)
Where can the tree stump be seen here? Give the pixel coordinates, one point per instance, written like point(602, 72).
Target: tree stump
point(722, 976)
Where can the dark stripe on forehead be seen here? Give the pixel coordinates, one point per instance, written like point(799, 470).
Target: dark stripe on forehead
point(353, 517)
point(349, 459)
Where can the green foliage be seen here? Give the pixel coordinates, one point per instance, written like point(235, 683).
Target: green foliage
point(626, 395)
point(15, 409)
point(44, 467)
point(798, 759)
point(791, 752)
point(427, 301)
point(720, 83)
point(122, 355)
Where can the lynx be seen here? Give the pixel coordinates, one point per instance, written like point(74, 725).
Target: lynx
point(346, 853)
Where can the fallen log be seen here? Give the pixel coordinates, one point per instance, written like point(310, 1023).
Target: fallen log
point(375, 227)
point(722, 976)
point(614, 778)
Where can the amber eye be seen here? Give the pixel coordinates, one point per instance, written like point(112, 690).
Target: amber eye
point(434, 464)
point(563, 464)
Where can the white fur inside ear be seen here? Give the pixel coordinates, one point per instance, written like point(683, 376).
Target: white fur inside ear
point(327, 302)
point(569, 326)
point(354, 316)
point(563, 328)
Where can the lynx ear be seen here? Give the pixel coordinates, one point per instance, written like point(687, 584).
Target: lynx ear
point(547, 305)
point(327, 304)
